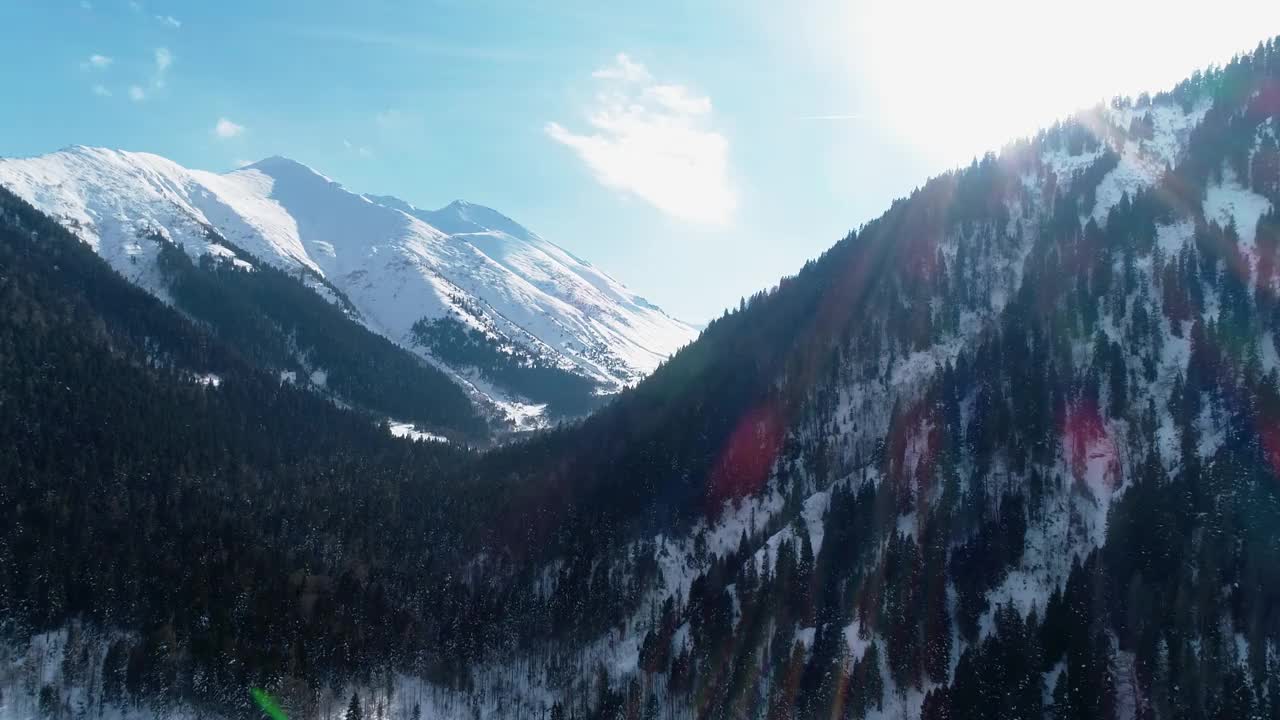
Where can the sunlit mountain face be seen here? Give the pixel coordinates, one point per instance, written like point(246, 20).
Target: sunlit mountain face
point(1010, 449)
point(530, 333)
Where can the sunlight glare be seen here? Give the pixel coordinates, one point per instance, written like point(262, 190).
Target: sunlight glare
point(956, 79)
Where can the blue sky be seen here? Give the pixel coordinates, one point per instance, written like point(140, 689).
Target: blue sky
point(696, 150)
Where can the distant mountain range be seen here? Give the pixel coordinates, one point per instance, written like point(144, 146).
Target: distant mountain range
point(527, 329)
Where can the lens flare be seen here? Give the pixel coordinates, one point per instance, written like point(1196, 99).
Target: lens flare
point(267, 704)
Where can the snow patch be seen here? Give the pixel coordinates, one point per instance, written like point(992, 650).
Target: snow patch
point(409, 430)
point(1172, 238)
point(1229, 201)
point(1144, 160)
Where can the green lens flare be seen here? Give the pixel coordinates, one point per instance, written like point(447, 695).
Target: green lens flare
point(268, 705)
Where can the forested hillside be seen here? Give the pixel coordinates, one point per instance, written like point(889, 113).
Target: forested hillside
point(279, 324)
point(157, 483)
point(1008, 450)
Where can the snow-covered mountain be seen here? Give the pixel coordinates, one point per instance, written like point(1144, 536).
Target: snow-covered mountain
point(397, 264)
point(1012, 448)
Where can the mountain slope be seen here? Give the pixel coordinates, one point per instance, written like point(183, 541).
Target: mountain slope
point(956, 463)
point(1010, 450)
point(514, 289)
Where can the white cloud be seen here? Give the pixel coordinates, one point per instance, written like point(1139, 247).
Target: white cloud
point(225, 128)
point(97, 62)
point(243, 163)
point(677, 98)
point(623, 68)
point(169, 20)
point(101, 91)
point(164, 60)
point(654, 141)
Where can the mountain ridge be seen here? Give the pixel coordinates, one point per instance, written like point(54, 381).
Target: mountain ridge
point(499, 279)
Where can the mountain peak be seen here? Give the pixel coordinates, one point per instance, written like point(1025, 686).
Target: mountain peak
point(281, 167)
point(461, 216)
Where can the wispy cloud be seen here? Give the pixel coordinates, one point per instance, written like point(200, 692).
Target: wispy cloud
point(169, 20)
point(164, 61)
point(624, 69)
point(389, 119)
point(101, 90)
point(360, 150)
point(97, 62)
point(655, 141)
point(413, 43)
point(832, 118)
point(225, 128)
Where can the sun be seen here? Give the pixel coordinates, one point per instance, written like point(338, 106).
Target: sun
point(956, 79)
